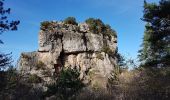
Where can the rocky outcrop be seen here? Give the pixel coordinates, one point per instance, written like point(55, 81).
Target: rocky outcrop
point(66, 45)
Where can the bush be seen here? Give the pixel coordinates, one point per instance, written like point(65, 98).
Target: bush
point(8, 79)
point(97, 26)
point(33, 78)
point(91, 73)
point(46, 72)
point(99, 56)
point(67, 84)
point(47, 25)
point(40, 65)
point(142, 83)
point(70, 20)
point(107, 50)
point(101, 94)
point(25, 56)
point(110, 31)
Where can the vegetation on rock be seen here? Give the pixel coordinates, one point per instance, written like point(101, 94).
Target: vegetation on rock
point(99, 56)
point(47, 25)
point(97, 26)
point(70, 20)
point(107, 50)
point(40, 65)
point(33, 78)
point(47, 72)
point(25, 56)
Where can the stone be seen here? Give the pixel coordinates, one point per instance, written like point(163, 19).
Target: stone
point(50, 40)
point(73, 42)
point(83, 27)
point(112, 43)
point(94, 42)
point(67, 45)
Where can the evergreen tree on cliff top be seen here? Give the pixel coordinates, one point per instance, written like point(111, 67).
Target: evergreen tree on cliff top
point(155, 50)
point(5, 25)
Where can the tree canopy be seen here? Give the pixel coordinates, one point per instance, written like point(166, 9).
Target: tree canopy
point(155, 50)
point(6, 25)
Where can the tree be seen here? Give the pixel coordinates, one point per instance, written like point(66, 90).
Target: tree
point(67, 84)
point(155, 50)
point(6, 25)
point(5, 60)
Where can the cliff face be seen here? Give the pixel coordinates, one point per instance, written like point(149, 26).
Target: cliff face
point(66, 45)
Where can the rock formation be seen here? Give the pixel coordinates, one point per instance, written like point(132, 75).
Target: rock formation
point(66, 45)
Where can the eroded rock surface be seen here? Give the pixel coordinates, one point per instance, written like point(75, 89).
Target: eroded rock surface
point(73, 46)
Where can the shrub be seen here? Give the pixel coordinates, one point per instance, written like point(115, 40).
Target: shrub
point(96, 86)
point(67, 84)
point(110, 31)
point(46, 72)
point(99, 56)
point(70, 20)
point(25, 56)
point(91, 73)
point(8, 79)
point(107, 50)
point(14, 86)
point(40, 65)
point(34, 79)
point(101, 94)
point(47, 25)
point(97, 26)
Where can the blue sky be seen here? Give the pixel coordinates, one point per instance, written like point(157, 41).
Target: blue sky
point(123, 15)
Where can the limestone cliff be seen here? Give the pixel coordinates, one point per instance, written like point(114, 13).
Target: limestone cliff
point(66, 45)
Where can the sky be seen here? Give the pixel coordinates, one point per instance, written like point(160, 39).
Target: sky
point(123, 16)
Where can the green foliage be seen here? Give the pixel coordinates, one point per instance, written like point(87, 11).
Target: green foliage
point(8, 79)
point(67, 84)
point(25, 56)
point(47, 25)
point(70, 20)
point(97, 26)
point(155, 50)
point(114, 78)
point(99, 56)
point(107, 50)
point(46, 72)
point(96, 86)
point(99, 94)
point(40, 65)
point(121, 60)
point(12, 84)
point(145, 83)
point(5, 60)
point(33, 78)
point(91, 73)
point(5, 24)
point(109, 31)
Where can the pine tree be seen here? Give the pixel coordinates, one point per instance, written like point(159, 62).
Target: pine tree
point(6, 25)
point(155, 50)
